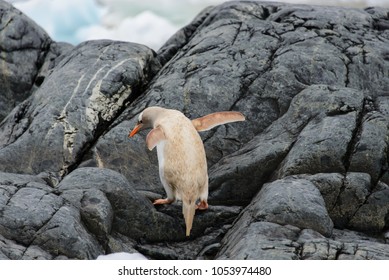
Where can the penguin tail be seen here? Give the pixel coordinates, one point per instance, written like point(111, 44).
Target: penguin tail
point(188, 209)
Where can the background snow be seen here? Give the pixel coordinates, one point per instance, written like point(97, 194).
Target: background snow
point(122, 256)
point(149, 22)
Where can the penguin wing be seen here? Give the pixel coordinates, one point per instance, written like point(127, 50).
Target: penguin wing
point(210, 121)
point(155, 136)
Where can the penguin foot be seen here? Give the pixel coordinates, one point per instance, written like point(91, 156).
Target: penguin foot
point(162, 201)
point(202, 205)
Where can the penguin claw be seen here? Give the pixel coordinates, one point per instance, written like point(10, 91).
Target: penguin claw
point(202, 205)
point(162, 201)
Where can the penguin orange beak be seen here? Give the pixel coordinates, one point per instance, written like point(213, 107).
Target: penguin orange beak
point(135, 130)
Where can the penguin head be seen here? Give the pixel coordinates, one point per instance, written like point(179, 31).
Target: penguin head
point(146, 119)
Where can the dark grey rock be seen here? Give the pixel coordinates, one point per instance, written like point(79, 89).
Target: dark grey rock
point(25, 207)
point(309, 164)
point(181, 37)
point(352, 200)
point(264, 240)
point(260, 240)
point(54, 55)
point(370, 152)
point(120, 243)
point(353, 192)
point(329, 185)
point(9, 250)
point(205, 247)
point(360, 246)
point(318, 148)
point(39, 223)
point(64, 234)
point(372, 215)
point(97, 212)
point(132, 212)
point(315, 246)
point(295, 202)
point(298, 142)
point(82, 96)
point(344, 245)
point(108, 202)
point(22, 51)
point(204, 221)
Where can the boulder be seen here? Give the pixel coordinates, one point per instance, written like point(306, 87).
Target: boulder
point(304, 177)
point(80, 98)
point(292, 202)
point(91, 212)
point(24, 47)
point(269, 241)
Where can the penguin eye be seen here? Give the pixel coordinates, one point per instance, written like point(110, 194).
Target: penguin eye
point(140, 121)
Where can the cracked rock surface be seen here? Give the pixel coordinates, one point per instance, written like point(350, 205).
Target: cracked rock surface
point(304, 177)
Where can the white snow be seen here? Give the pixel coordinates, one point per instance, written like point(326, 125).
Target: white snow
point(149, 22)
point(122, 256)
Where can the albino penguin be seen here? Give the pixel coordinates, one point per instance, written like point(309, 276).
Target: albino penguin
point(181, 154)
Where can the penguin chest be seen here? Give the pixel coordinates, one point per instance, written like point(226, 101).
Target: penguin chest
point(161, 161)
point(182, 169)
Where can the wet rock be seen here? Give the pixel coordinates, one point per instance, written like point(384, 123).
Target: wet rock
point(260, 240)
point(304, 177)
point(263, 240)
point(39, 222)
point(292, 202)
point(24, 46)
point(74, 105)
point(64, 234)
point(134, 215)
point(298, 142)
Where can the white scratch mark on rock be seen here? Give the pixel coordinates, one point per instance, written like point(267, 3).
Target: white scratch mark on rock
point(105, 107)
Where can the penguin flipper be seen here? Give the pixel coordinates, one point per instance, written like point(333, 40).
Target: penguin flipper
point(155, 136)
point(210, 121)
